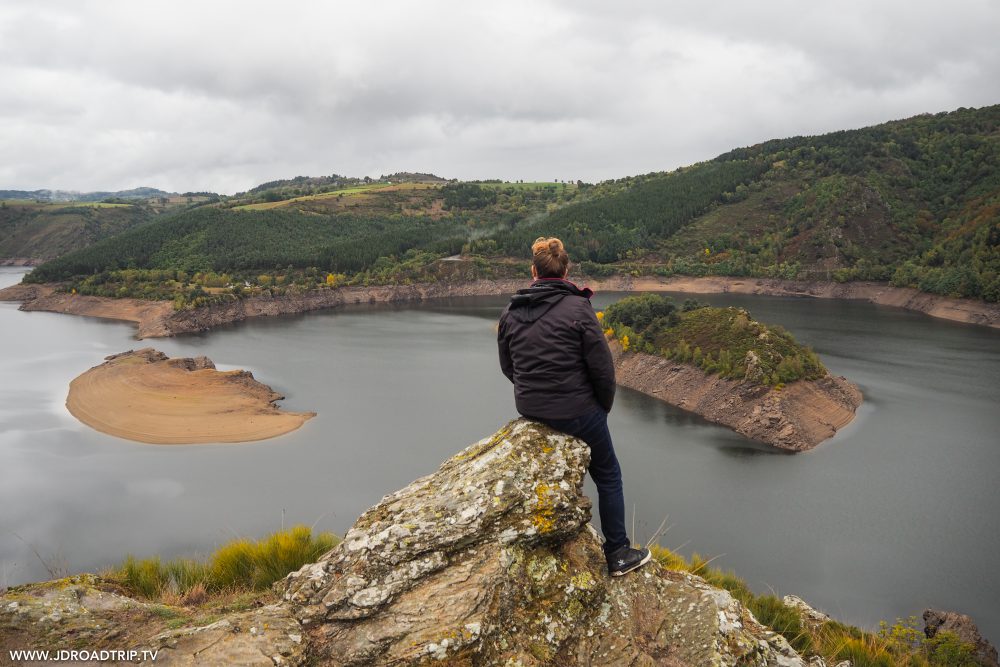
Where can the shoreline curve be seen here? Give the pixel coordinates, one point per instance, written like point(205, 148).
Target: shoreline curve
point(155, 319)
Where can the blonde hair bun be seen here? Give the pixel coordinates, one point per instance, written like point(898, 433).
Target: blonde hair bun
point(549, 257)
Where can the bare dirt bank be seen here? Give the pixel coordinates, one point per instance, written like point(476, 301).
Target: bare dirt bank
point(144, 396)
point(959, 310)
point(21, 261)
point(158, 318)
point(796, 418)
point(149, 316)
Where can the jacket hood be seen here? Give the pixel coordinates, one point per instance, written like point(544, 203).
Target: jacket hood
point(530, 303)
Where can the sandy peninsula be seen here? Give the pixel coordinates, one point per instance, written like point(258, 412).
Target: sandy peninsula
point(145, 396)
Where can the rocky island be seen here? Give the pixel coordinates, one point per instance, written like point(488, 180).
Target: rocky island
point(730, 369)
point(145, 396)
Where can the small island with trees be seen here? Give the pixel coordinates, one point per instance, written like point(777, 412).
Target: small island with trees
point(729, 368)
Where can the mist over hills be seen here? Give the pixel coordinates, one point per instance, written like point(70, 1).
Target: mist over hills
point(72, 195)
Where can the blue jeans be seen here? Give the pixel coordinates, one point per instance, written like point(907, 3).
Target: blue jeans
point(592, 428)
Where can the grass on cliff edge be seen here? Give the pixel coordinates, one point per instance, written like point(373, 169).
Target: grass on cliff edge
point(717, 340)
point(240, 565)
point(899, 645)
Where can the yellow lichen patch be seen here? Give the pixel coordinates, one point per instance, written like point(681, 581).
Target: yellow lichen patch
point(544, 517)
point(584, 581)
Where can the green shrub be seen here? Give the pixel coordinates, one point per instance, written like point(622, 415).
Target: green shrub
point(899, 645)
point(717, 340)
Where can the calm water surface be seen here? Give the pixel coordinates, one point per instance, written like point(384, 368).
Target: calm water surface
point(899, 512)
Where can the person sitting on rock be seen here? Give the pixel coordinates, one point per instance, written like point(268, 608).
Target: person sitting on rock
point(553, 349)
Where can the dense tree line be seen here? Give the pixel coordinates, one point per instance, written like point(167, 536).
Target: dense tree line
point(607, 228)
point(726, 341)
point(467, 196)
point(225, 240)
point(937, 178)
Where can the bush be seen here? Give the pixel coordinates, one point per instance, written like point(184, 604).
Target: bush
point(643, 311)
point(717, 340)
point(898, 645)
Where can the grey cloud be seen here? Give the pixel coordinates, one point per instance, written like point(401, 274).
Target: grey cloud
point(225, 95)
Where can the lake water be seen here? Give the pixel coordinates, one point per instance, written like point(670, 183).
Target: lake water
point(900, 511)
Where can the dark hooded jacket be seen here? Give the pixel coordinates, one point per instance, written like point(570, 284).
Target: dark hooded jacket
point(553, 349)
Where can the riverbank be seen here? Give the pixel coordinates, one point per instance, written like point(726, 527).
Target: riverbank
point(21, 261)
point(155, 319)
point(958, 310)
point(796, 418)
point(144, 396)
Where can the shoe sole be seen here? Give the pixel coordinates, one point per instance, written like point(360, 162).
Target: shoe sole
point(645, 560)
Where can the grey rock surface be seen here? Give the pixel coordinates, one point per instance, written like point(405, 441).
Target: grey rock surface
point(491, 561)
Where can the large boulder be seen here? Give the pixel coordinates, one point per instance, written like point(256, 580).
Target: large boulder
point(963, 627)
point(491, 561)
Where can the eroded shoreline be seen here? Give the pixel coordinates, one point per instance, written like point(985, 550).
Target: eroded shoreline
point(155, 319)
point(145, 396)
point(796, 418)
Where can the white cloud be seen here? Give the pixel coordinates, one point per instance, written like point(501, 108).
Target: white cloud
point(224, 95)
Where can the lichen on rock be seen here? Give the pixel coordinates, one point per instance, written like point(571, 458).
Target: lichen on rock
point(491, 561)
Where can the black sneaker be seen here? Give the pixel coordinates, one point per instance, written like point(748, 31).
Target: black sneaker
point(625, 559)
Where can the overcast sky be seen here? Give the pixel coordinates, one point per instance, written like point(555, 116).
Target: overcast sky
point(222, 96)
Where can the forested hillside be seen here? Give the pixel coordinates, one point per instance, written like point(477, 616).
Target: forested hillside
point(49, 225)
point(40, 231)
point(915, 202)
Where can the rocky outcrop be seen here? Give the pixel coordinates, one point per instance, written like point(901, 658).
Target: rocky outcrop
point(88, 614)
point(810, 616)
point(488, 561)
point(795, 418)
point(491, 561)
point(965, 629)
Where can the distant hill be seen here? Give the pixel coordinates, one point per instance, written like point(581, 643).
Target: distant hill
point(69, 195)
point(915, 202)
point(44, 230)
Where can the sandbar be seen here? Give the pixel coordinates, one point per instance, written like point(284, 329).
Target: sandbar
point(145, 396)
